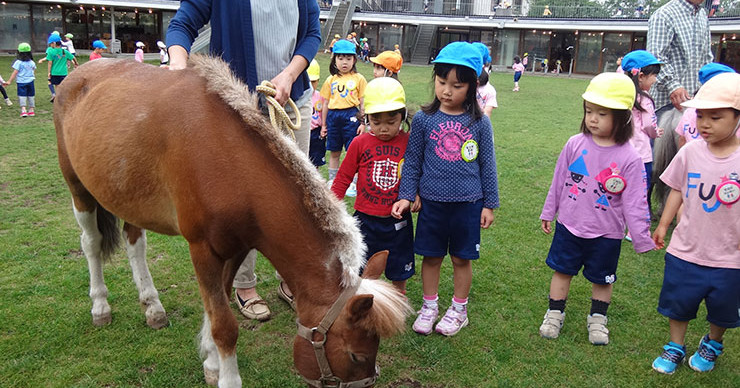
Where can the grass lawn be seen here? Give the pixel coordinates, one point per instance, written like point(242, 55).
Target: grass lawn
point(47, 339)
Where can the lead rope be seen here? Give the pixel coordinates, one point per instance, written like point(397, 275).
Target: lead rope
point(278, 116)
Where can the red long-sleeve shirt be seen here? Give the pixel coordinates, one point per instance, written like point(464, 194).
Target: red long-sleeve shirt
point(378, 166)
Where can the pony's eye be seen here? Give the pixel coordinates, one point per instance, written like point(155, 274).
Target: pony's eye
point(357, 358)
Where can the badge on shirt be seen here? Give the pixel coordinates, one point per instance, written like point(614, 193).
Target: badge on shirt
point(351, 84)
point(728, 192)
point(469, 150)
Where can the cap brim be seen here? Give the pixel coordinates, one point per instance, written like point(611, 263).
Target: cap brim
point(461, 63)
point(387, 107)
point(705, 104)
point(598, 100)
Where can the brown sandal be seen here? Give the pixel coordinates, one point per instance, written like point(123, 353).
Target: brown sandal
point(255, 308)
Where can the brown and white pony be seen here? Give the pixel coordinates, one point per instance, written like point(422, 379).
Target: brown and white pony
point(188, 153)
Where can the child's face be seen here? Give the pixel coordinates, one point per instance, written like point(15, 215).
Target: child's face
point(385, 126)
point(646, 80)
point(599, 121)
point(378, 71)
point(345, 62)
point(315, 84)
point(717, 125)
point(450, 92)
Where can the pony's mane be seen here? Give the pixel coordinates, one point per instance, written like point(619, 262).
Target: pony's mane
point(390, 308)
point(329, 213)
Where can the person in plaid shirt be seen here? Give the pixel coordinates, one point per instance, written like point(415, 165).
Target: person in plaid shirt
point(678, 35)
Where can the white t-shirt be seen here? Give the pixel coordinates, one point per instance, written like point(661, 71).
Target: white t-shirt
point(709, 231)
point(486, 96)
point(69, 46)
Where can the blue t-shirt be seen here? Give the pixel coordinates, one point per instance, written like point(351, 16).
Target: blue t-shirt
point(25, 71)
point(450, 159)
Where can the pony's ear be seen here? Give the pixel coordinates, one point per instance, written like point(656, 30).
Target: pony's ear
point(375, 265)
point(359, 306)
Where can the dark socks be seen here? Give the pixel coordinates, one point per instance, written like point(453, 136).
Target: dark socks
point(599, 307)
point(557, 304)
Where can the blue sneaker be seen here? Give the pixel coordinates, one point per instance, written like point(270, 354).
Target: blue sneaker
point(673, 354)
point(351, 190)
point(703, 359)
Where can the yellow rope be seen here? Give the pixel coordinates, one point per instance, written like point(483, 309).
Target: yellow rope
point(278, 116)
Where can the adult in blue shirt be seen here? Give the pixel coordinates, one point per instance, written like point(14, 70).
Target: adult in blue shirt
point(261, 40)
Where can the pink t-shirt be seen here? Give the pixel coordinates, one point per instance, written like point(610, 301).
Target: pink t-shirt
point(518, 67)
point(687, 126)
point(94, 56)
point(317, 103)
point(709, 231)
point(644, 124)
point(486, 96)
point(139, 55)
point(582, 205)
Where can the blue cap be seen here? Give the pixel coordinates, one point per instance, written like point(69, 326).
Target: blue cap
point(54, 38)
point(483, 51)
point(461, 53)
point(344, 47)
point(99, 44)
point(638, 59)
point(711, 69)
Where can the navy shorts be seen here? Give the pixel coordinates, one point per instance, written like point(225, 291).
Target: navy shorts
point(317, 148)
point(341, 126)
point(598, 256)
point(394, 235)
point(57, 79)
point(686, 284)
point(517, 75)
point(26, 90)
point(449, 226)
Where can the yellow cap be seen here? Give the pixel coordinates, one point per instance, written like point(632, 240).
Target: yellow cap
point(314, 71)
point(611, 90)
point(384, 94)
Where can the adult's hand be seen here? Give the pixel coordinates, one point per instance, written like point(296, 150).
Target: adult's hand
point(283, 82)
point(178, 57)
point(678, 96)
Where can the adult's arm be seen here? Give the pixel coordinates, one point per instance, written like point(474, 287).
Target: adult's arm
point(183, 29)
point(659, 38)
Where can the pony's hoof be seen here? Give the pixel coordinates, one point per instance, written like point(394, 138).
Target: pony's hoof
point(101, 320)
point(211, 376)
point(157, 321)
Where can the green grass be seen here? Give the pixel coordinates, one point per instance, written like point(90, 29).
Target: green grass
point(47, 339)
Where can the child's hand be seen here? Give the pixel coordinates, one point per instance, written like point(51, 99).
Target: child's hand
point(416, 206)
point(546, 226)
point(360, 129)
point(401, 206)
point(486, 217)
point(322, 133)
point(659, 131)
point(658, 237)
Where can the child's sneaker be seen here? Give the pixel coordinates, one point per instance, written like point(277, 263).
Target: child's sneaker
point(425, 321)
point(452, 322)
point(31, 113)
point(8, 102)
point(598, 334)
point(24, 114)
point(552, 323)
point(351, 190)
point(673, 354)
point(704, 358)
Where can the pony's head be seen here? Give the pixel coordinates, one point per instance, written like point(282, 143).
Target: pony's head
point(376, 310)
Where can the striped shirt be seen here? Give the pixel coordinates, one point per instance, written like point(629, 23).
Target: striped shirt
point(678, 34)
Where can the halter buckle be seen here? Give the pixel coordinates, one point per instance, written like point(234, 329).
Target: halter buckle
point(330, 382)
point(317, 344)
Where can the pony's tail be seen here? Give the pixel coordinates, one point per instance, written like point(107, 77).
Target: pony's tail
point(108, 227)
point(665, 148)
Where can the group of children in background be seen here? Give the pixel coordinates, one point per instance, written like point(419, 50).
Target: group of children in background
point(60, 54)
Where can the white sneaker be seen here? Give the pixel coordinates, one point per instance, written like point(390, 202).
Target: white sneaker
point(425, 320)
point(7, 101)
point(351, 190)
point(598, 334)
point(329, 183)
point(552, 324)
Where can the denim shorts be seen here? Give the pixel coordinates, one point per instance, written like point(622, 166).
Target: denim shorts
point(341, 128)
point(26, 90)
point(394, 235)
point(317, 148)
point(598, 256)
point(57, 79)
point(517, 75)
point(686, 284)
point(452, 227)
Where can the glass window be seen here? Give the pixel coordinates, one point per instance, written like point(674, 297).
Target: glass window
point(390, 35)
point(615, 45)
point(45, 20)
point(15, 24)
point(589, 52)
point(536, 44)
point(505, 47)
